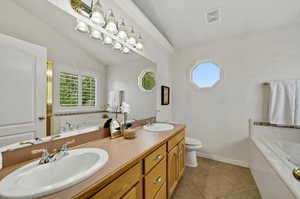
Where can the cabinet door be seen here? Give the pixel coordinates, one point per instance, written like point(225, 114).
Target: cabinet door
point(135, 192)
point(172, 170)
point(181, 158)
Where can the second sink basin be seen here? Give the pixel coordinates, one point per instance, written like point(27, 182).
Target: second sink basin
point(34, 180)
point(159, 127)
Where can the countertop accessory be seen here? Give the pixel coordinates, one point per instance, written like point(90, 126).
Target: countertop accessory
point(115, 129)
point(130, 133)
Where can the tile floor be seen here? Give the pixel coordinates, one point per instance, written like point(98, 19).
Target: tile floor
point(216, 180)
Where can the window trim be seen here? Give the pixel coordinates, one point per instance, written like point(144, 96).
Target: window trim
point(203, 61)
point(56, 90)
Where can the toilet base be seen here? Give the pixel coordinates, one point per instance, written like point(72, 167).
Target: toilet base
point(191, 159)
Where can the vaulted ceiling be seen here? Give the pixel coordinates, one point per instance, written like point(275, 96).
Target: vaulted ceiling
point(184, 22)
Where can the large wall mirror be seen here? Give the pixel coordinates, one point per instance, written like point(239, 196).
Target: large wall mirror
point(67, 95)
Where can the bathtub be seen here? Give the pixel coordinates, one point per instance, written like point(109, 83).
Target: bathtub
point(273, 156)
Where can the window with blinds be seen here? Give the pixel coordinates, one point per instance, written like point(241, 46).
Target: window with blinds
point(76, 90)
point(68, 89)
point(88, 91)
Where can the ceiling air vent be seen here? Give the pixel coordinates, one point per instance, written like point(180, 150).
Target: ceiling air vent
point(213, 15)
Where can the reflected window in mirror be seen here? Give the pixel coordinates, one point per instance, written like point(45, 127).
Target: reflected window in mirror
point(77, 90)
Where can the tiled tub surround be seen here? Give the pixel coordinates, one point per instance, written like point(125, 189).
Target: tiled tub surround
point(272, 160)
point(123, 154)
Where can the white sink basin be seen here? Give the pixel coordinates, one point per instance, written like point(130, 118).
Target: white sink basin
point(34, 180)
point(159, 127)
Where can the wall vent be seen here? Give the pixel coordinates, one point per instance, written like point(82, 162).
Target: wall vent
point(213, 15)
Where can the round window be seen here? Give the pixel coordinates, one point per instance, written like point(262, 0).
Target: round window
point(205, 75)
point(146, 80)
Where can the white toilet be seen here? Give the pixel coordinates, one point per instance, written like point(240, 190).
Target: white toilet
point(192, 146)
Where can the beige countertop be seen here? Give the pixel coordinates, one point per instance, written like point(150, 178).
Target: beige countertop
point(123, 154)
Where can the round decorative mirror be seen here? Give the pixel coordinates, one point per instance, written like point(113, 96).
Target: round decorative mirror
point(115, 129)
point(147, 81)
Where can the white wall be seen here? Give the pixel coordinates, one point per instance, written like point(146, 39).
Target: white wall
point(125, 77)
point(18, 23)
point(219, 116)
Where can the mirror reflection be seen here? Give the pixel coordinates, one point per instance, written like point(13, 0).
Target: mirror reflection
point(58, 89)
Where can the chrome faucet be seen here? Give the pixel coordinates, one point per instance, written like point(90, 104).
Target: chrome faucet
point(56, 155)
point(46, 157)
point(150, 121)
point(64, 148)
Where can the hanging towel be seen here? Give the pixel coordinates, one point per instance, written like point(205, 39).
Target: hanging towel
point(1, 160)
point(283, 102)
point(297, 109)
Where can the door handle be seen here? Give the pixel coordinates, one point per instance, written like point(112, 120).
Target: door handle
point(41, 118)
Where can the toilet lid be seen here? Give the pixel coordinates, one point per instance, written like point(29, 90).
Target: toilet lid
point(192, 141)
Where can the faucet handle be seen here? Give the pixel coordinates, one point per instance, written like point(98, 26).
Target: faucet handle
point(64, 147)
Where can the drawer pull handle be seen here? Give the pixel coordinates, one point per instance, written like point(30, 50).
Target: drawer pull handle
point(158, 180)
point(158, 157)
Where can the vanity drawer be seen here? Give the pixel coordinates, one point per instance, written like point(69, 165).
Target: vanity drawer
point(162, 194)
point(175, 140)
point(155, 179)
point(155, 157)
point(121, 185)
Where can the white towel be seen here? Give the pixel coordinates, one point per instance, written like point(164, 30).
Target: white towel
point(297, 109)
point(283, 102)
point(1, 161)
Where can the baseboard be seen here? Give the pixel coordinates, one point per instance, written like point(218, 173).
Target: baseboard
point(222, 159)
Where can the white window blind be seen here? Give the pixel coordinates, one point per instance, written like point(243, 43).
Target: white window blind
point(68, 89)
point(76, 90)
point(88, 91)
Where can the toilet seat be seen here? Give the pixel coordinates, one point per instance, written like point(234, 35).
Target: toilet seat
point(191, 142)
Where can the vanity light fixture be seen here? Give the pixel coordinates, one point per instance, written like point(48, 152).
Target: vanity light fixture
point(98, 14)
point(111, 25)
point(82, 27)
point(139, 44)
point(95, 34)
point(102, 25)
point(131, 38)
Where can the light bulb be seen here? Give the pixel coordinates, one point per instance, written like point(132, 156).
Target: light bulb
point(107, 40)
point(117, 45)
point(139, 44)
point(131, 38)
point(125, 50)
point(111, 25)
point(122, 34)
point(95, 34)
point(82, 27)
point(97, 14)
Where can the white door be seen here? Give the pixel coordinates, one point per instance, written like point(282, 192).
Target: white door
point(22, 90)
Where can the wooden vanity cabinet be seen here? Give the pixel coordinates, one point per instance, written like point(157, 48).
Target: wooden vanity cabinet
point(154, 177)
point(176, 161)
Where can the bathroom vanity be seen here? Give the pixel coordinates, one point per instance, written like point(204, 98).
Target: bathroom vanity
point(148, 167)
